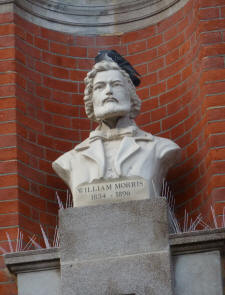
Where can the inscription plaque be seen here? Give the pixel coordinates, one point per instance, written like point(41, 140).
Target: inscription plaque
point(115, 190)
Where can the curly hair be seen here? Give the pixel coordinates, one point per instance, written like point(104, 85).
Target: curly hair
point(106, 66)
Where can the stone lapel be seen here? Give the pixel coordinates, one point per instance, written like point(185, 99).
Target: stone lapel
point(95, 151)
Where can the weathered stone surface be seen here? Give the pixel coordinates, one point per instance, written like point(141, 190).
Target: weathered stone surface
point(45, 282)
point(113, 230)
point(142, 274)
point(113, 191)
point(198, 274)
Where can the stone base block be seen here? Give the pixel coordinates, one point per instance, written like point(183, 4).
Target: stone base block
point(141, 274)
point(112, 230)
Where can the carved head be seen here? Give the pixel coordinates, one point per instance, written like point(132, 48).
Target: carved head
point(109, 92)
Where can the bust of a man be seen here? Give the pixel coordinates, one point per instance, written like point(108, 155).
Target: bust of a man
point(117, 149)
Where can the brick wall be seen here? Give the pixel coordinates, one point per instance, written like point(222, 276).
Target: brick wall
point(181, 60)
point(8, 146)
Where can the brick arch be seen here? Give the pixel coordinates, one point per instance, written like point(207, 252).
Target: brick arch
point(51, 118)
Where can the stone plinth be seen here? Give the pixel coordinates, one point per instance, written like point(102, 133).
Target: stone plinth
point(119, 248)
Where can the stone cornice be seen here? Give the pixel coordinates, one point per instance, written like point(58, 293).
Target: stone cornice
point(98, 17)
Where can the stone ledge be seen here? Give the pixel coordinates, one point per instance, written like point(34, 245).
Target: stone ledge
point(198, 241)
point(33, 260)
point(194, 242)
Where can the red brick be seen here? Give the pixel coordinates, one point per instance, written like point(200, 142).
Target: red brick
point(142, 69)
point(216, 62)
point(7, 140)
point(172, 56)
point(81, 124)
point(149, 79)
point(7, 128)
point(76, 75)
point(28, 26)
point(217, 140)
point(30, 122)
point(62, 96)
point(171, 33)
point(215, 100)
point(212, 25)
point(60, 73)
point(8, 166)
point(156, 64)
point(172, 82)
point(84, 41)
point(62, 121)
point(57, 36)
point(210, 3)
point(107, 40)
point(143, 93)
point(43, 92)
point(28, 49)
point(57, 132)
point(158, 114)
point(20, 56)
point(6, 91)
point(165, 48)
point(149, 104)
point(7, 115)
point(137, 47)
point(210, 37)
point(153, 128)
point(177, 131)
point(58, 48)
point(7, 53)
point(59, 108)
point(8, 180)
point(41, 43)
point(175, 119)
point(186, 72)
point(77, 99)
point(43, 68)
point(60, 85)
point(32, 75)
point(7, 41)
point(216, 127)
point(208, 13)
point(7, 207)
point(7, 17)
point(78, 51)
point(154, 41)
point(138, 35)
point(85, 64)
point(8, 65)
point(8, 29)
point(31, 148)
point(158, 88)
point(165, 24)
point(214, 75)
point(143, 118)
point(8, 289)
point(29, 38)
point(7, 78)
point(213, 88)
point(185, 47)
point(8, 154)
point(32, 174)
point(142, 57)
point(47, 219)
point(59, 60)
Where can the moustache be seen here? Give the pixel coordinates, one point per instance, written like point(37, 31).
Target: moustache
point(110, 98)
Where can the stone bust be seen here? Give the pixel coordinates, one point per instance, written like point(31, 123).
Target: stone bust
point(117, 148)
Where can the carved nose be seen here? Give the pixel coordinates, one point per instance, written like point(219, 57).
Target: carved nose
point(108, 89)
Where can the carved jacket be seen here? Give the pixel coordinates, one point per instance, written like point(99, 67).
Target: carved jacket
point(142, 155)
